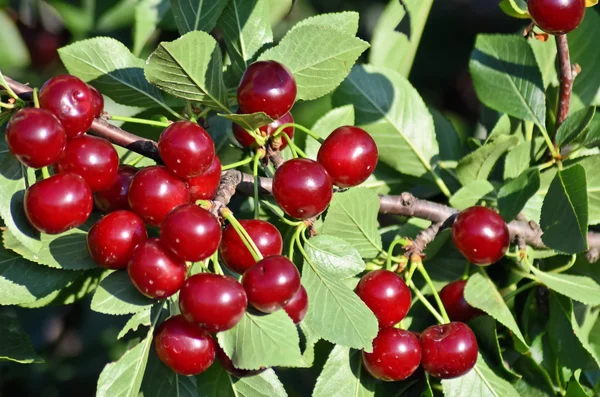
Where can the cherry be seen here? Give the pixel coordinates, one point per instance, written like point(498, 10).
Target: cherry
point(271, 283)
point(216, 303)
point(155, 271)
point(97, 101)
point(297, 307)
point(59, 203)
point(185, 348)
point(302, 188)
point(95, 159)
point(386, 294)
point(396, 355)
point(448, 350)
point(154, 192)
point(349, 155)
point(35, 137)
point(191, 232)
point(205, 185)
point(112, 239)
point(456, 306)
point(114, 197)
point(228, 366)
point(246, 140)
point(267, 86)
point(481, 235)
point(234, 253)
point(186, 149)
point(557, 16)
point(71, 101)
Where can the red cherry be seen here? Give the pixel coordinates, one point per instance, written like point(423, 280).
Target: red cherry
point(267, 86)
point(456, 306)
point(214, 302)
point(186, 149)
point(97, 101)
point(271, 283)
point(185, 348)
point(297, 307)
point(246, 140)
point(71, 101)
point(481, 235)
point(154, 192)
point(95, 159)
point(59, 203)
point(302, 188)
point(114, 197)
point(448, 350)
point(557, 16)
point(35, 137)
point(349, 155)
point(386, 294)
point(228, 366)
point(205, 185)
point(234, 253)
point(191, 232)
point(112, 239)
point(396, 355)
point(155, 271)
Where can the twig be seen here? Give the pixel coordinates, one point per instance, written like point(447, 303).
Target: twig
point(566, 79)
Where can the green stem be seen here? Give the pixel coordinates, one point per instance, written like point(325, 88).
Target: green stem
point(9, 90)
point(45, 173)
point(467, 271)
point(411, 271)
point(553, 149)
point(390, 252)
point(425, 275)
point(426, 303)
point(7, 105)
point(237, 163)
point(136, 120)
point(296, 240)
point(522, 288)
point(246, 239)
point(298, 127)
point(291, 145)
point(565, 267)
point(273, 209)
point(36, 99)
point(256, 160)
point(441, 184)
point(216, 265)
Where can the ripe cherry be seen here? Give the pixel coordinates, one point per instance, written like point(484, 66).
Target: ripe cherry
point(97, 101)
point(112, 239)
point(71, 101)
point(297, 307)
point(271, 283)
point(186, 149)
point(396, 355)
point(114, 197)
point(234, 253)
point(448, 350)
point(349, 155)
point(216, 303)
point(386, 294)
point(302, 188)
point(154, 192)
point(35, 137)
point(557, 16)
point(246, 140)
point(228, 366)
point(155, 271)
point(185, 348)
point(267, 86)
point(481, 235)
point(95, 159)
point(456, 306)
point(59, 203)
point(205, 185)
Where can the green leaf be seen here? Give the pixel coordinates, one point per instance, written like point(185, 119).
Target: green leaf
point(515, 8)
point(513, 196)
point(337, 117)
point(591, 136)
point(197, 14)
point(520, 157)
point(574, 389)
point(343, 375)
point(451, 147)
point(336, 256)
point(586, 86)
point(118, 16)
point(545, 55)
point(138, 319)
point(216, 382)
point(161, 381)
point(346, 22)
point(248, 121)
point(15, 345)
point(580, 288)
point(574, 126)
point(148, 13)
point(13, 51)
point(471, 194)
point(117, 295)
point(309, 339)
point(480, 163)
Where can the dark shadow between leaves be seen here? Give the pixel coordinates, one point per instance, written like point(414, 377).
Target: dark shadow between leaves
point(404, 26)
point(18, 215)
point(366, 380)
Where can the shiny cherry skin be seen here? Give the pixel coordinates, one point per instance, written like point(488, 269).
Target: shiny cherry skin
point(185, 348)
point(186, 149)
point(267, 86)
point(155, 271)
point(302, 188)
point(95, 159)
point(205, 185)
point(349, 155)
point(396, 355)
point(97, 101)
point(59, 203)
point(234, 253)
point(448, 350)
point(154, 192)
point(557, 16)
point(271, 283)
point(386, 294)
point(246, 140)
point(297, 307)
point(216, 303)
point(112, 239)
point(228, 366)
point(71, 101)
point(456, 306)
point(114, 197)
point(481, 235)
point(190, 232)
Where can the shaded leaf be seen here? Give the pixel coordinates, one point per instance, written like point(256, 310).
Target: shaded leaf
point(580, 288)
point(480, 163)
point(148, 13)
point(216, 382)
point(15, 345)
point(117, 295)
point(343, 375)
point(574, 126)
point(471, 194)
point(337, 117)
point(248, 121)
point(335, 256)
point(161, 381)
point(196, 14)
point(513, 196)
point(141, 318)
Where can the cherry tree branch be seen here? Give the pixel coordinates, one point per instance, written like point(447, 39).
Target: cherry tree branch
point(566, 79)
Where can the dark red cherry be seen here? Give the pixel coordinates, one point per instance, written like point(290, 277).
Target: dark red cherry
point(114, 197)
point(205, 185)
point(71, 101)
point(234, 253)
point(396, 355)
point(191, 232)
point(271, 283)
point(155, 271)
point(112, 239)
point(386, 294)
point(349, 155)
point(185, 348)
point(557, 16)
point(448, 350)
point(228, 366)
point(97, 101)
point(481, 235)
point(289, 131)
point(95, 159)
point(267, 86)
point(297, 307)
point(154, 192)
point(59, 203)
point(456, 306)
point(186, 149)
point(302, 188)
point(216, 303)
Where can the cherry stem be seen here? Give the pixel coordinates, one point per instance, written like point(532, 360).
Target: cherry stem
point(45, 173)
point(296, 239)
point(298, 127)
point(390, 253)
point(426, 303)
point(565, 267)
point(291, 145)
point(274, 210)
point(136, 120)
point(425, 275)
point(8, 88)
point(465, 275)
point(36, 99)
point(244, 236)
point(411, 271)
point(255, 162)
point(215, 260)
point(237, 163)
point(522, 288)
point(7, 105)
